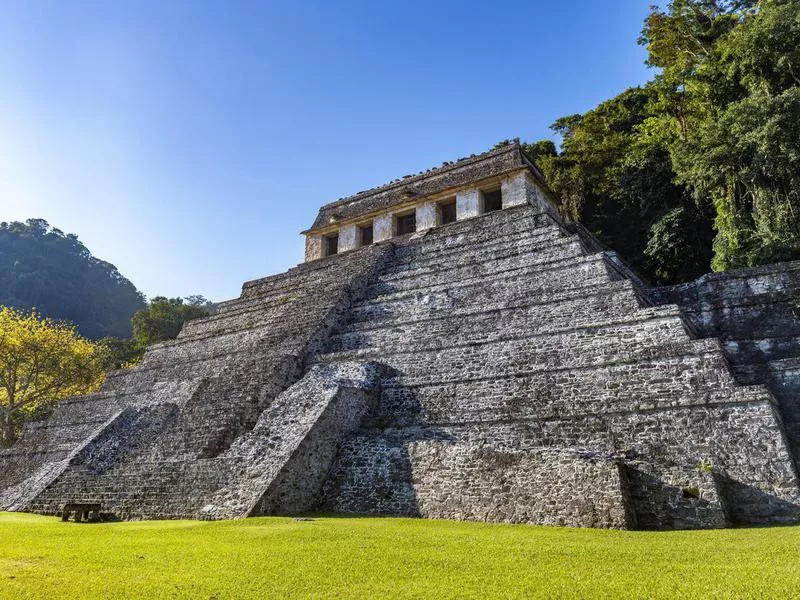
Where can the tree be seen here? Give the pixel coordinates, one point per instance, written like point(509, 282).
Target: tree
point(54, 272)
point(699, 168)
point(728, 110)
point(41, 362)
point(122, 353)
point(617, 179)
point(164, 317)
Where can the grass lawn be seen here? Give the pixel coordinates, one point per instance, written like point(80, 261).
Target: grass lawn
point(40, 557)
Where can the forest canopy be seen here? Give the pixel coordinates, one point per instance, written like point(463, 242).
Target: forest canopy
point(43, 268)
point(698, 169)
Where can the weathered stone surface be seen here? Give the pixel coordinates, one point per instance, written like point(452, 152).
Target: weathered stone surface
point(468, 204)
point(281, 464)
point(153, 442)
point(462, 172)
point(499, 368)
point(347, 238)
point(427, 216)
point(384, 228)
point(522, 343)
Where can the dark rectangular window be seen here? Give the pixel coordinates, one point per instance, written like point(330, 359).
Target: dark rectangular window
point(365, 233)
point(492, 201)
point(332, 245)
point(406, 224)
point(448, 210)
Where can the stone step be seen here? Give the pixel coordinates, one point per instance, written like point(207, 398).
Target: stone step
point(495, 325)
point(471, 254)
point(762, 350)
point(756, 373)
point(146, 483)
point(291, 321)
point(564, 247)
point(657, 337)
point(178, 368)
point(537, 278)
point(752, 317)
point(292, 307)
point(659, 383)
point(486, 227)
point(286, 296)
point(278, 296)
point(471, 266)
point(383, 467)
point(422, 251)
point(371, 315)
point(738, 285)
point(197, 348)
point(337, 268)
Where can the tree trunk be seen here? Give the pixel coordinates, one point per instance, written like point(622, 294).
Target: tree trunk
point(7, 434)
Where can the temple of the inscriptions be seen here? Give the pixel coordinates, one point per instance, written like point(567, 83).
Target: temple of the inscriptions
point(450, 348)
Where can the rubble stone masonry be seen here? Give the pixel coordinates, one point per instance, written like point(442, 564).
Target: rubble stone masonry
point(503, 368)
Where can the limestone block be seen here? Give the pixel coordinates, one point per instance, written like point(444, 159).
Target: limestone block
point(313, 247)
point(501, 368)
point(383, 228)
point(348, 238)
point(427, 216)
point(522, 189)
point(515, 190)
point(468, 204)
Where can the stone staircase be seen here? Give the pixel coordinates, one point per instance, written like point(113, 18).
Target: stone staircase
point(511, 337)
point(501, 368)
point(153, 443)
point(756, 314)
point(281, 464)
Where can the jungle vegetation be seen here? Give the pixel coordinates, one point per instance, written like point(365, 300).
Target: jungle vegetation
point(699, 169)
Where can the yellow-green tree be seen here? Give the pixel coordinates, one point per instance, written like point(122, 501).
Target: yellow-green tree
point(41, 362)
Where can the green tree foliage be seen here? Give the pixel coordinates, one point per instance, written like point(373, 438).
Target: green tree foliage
point(619, 182)
point(160, 320)
point(700, 168)
point(54, 272)
point(163, 318)
point(737, 73)
point(41, 362)
point(122, 353)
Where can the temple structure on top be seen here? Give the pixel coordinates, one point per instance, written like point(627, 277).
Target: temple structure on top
point(467, 188)
point(450, 348)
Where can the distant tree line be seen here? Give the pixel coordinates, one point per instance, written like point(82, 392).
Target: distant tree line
point(52, 275)
point(42, 267)
point(700, 168)
point(161, 320)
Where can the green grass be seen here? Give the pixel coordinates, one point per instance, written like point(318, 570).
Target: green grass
point(40, 557)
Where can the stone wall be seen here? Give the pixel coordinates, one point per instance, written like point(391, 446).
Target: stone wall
point(511, 338)
point(446, 478)
point(501, 368)
point(756, 314)
point(153, 442)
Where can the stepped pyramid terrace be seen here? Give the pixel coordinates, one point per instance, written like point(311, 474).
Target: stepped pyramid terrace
point(449, 349)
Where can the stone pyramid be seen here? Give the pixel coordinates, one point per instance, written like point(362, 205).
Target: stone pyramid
point(493, 364)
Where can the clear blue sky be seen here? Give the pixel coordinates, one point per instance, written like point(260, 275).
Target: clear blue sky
point(189, 142)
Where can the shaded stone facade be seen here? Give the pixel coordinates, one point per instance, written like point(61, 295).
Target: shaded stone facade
point(503, 367)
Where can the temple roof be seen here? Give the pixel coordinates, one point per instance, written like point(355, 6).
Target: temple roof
point(438, 179)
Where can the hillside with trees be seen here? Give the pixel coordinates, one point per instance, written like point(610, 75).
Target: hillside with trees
point(43, 268)
point(699, 169)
